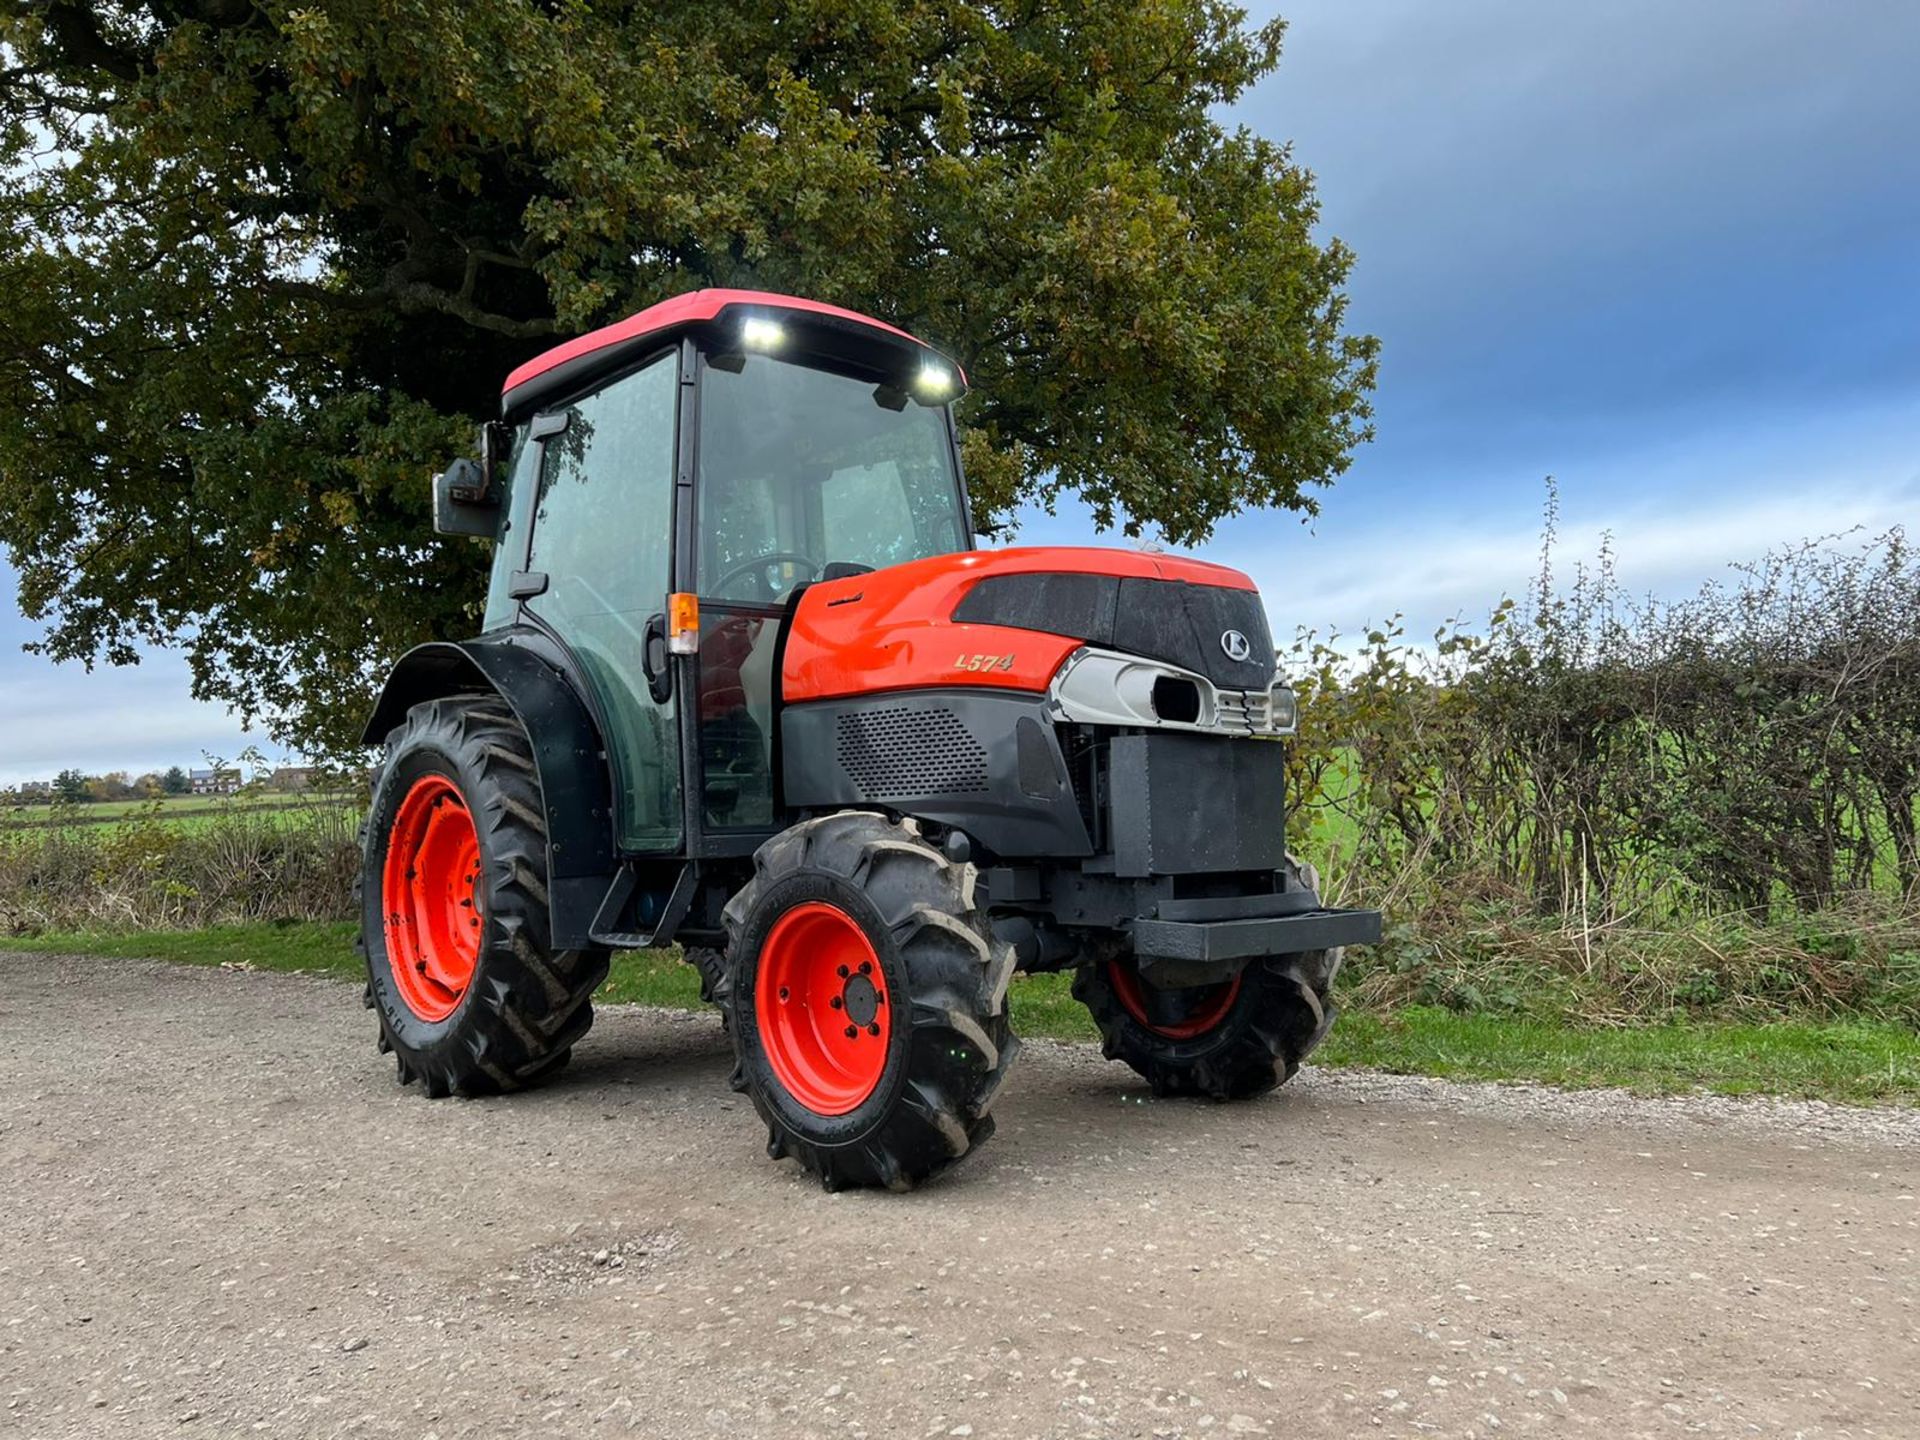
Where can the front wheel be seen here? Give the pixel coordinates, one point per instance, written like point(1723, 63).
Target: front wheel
point(867, 1000)
point(1227, 1041)
point(472, 997)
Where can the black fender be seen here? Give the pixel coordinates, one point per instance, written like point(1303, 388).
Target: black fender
point(576, 787)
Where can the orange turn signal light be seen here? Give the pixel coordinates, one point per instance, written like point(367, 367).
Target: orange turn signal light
point(683, 623)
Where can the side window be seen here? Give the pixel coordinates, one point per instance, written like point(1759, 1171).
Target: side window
point(603, 535)
point(516, 474)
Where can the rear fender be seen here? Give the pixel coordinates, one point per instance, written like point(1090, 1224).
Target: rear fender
point(576, 790)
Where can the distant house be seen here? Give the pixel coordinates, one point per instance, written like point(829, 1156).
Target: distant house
point(222, 781)
point(35, 789)
point(292, 778)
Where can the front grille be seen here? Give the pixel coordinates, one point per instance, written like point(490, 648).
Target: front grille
point(904, 751)
point(1245, 712)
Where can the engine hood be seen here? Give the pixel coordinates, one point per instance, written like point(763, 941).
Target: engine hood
point(1009, 618)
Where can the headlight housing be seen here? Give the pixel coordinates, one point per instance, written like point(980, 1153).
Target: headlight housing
point(1104, 687)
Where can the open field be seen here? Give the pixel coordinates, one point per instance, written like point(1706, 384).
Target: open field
point(184, 811)
point(1856, 1062)
point(224, 1217)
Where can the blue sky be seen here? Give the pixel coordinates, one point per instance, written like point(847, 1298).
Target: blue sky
point(1667, 253)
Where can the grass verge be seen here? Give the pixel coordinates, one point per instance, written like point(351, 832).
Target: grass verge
point(1852, 1062)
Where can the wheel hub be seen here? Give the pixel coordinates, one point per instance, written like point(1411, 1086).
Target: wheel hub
point(862, 1000)
point(1182, 1014)
point(430, 898)
point(821, 1005)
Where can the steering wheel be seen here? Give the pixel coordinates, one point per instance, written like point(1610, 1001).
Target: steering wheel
point(757, 567)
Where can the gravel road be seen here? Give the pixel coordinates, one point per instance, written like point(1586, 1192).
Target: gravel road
point(220, 1216)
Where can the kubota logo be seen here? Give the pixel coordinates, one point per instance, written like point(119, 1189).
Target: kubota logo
point(1237, 646)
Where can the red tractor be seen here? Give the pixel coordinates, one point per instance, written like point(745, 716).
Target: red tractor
point(744, 683)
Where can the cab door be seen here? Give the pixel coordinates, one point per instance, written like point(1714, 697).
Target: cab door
point(797, 469)
point(599, 566)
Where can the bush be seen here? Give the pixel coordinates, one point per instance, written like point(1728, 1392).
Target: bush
point(1756, 748)
point(152, 871)
point(1636, 808)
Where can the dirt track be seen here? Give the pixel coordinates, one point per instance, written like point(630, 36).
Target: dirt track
point(221, 1216)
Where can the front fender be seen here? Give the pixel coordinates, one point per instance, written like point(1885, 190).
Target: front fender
point(576, 789)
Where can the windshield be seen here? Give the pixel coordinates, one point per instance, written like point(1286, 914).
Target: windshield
point(801, 469)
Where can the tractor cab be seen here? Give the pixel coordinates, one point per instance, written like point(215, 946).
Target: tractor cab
point(744, 683)
point(664, 492)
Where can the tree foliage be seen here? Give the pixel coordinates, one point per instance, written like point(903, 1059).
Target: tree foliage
point(266, 263)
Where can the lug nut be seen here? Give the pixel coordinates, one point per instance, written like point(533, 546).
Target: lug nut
point(873, 1029)
point(866, 967)
point(852, 1031)
point(843, 972)
point(836, 1002)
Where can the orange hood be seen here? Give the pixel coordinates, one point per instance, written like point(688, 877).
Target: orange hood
point(895, 629)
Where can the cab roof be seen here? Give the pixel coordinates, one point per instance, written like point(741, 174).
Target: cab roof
point(566, 367)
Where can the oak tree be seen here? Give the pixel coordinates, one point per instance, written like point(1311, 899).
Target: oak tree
point(266, 263)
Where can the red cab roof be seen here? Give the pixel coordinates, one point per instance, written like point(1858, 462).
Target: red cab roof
point(695, 307)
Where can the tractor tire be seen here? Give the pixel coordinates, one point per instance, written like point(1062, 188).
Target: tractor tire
point(471, 996)
point(867, 1001)
point(1229, 1041)
point(711, 966)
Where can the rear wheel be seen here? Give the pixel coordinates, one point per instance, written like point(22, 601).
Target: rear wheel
point(867, 1000)
point(1227, 1041)
point(471, 996)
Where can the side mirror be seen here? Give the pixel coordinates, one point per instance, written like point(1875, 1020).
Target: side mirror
point(495, 441)
point(463, 502)
point(466, 496)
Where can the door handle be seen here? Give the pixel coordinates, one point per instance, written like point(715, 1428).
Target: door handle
point(659, 672)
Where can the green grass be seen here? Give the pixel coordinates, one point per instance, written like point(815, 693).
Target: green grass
point(1857, 1062)
point(327, 949)
point(168, 804)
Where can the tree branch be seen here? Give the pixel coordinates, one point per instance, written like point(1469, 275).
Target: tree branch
point(76, 32)
point(415, 296)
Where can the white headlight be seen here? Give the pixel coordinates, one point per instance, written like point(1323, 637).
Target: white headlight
point(935, 381)
point(762, 334)
point(1283, 710)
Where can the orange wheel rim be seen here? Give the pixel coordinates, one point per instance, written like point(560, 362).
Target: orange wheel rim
point(1173, 1014)
point(430, 893)
point(822, 1007)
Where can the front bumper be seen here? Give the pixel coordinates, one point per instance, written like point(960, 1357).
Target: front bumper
point(1194, 950)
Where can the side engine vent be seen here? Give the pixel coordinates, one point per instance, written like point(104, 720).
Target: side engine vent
point(908, 751)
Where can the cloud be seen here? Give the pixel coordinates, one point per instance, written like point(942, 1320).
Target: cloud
point(1678, 509)
point(1578, 212)
point(136, 718)
point(1463, 571)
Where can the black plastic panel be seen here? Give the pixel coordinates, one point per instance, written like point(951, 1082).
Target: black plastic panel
point(1172, 620)
point(1210, 942)
point(1053, 603)
point(1194, 804)
point(938, 778)
point(910, 749)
